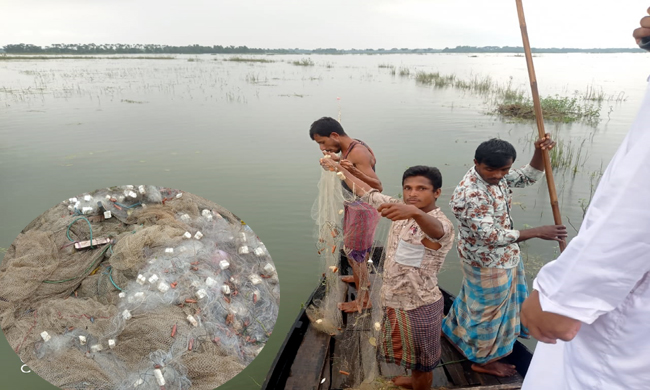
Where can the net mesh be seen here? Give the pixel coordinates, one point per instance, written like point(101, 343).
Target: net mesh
point(185, 293)
point(349, 247)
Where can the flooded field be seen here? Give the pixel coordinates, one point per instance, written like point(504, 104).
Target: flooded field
point(234, 129)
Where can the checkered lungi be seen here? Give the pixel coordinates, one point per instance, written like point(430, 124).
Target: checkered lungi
point(359, 224)
point(484, 319)
point(411, 338)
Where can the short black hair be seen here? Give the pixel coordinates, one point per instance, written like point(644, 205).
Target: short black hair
point(325, 126)
point(495, 153)
point(431, 173)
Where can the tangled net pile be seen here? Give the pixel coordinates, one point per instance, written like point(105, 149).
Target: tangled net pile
point(357, 340)
point(184, 295)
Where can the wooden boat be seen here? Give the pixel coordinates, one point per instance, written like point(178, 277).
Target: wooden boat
point(309, 359)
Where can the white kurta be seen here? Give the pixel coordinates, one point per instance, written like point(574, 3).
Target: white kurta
point(603, 280)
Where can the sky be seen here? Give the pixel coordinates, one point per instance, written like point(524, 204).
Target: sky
point(311, 24)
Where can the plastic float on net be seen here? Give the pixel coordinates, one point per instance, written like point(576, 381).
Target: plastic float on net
point(231, 307)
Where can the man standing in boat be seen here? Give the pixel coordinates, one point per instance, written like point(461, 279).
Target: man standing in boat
point(484, 321)
point(590, 307)
point(418, 241)
point(360, 219)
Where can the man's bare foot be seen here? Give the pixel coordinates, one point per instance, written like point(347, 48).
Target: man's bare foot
point(495, 368)
point(352, 307)
point(403, 381)
point(348, 279)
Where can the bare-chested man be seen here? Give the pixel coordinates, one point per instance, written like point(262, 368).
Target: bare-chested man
point(360, 219)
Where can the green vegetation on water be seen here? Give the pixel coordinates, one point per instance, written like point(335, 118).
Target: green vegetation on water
point(303, 62)
point(245, 59)
point(554, 108)
point(513, 103)
point(55, 57)
point(566, 155)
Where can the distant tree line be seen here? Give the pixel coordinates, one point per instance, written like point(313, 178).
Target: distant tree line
point(120, 48)
point(520, 49)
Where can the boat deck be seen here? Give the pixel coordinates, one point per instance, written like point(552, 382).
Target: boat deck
point(338, 362)
point(313, 360)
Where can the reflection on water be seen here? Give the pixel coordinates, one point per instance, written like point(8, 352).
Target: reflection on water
point(236, 132)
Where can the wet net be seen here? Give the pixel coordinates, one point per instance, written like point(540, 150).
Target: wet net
point(350, 236)
point(175, 293)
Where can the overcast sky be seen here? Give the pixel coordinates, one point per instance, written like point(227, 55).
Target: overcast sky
point(310, 24)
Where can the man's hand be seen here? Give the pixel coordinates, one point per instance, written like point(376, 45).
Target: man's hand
point(545, 143)
point(544, 326)
point(551, 232)
point(331, 155)
point(349, 166)
point(398, 211)
point(644, 30)
point(328, 164)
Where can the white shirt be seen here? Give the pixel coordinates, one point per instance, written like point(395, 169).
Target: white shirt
point(603, 280)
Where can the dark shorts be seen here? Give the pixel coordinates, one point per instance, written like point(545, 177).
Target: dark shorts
point(359, 224)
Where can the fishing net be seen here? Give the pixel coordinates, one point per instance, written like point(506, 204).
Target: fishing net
point(176, 292)
point(349, 239)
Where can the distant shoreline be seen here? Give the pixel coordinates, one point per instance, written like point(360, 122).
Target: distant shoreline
point(147, 49)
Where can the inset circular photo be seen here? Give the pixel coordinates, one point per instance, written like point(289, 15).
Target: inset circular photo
point(138, 287)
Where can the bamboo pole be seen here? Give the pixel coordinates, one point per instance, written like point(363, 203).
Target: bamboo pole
point(540, 119)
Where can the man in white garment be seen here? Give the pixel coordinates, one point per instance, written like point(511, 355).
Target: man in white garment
point(596, 295)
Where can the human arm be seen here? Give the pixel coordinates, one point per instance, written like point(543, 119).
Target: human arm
point(429, 224)
point(547, 232)
point(545, 326)
point(358, 186)
point(359, 164)
point(534, 171)
point(475, 211)
point(542, 144)
point(608, 260)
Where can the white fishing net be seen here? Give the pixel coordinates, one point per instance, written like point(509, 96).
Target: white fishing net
point(339, 241)
point(184, 296)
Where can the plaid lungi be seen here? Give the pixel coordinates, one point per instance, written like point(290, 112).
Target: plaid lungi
point(359, 224)
point(411, 338)
point(484, 319)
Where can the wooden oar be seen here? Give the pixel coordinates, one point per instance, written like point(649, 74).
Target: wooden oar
point(540, 120)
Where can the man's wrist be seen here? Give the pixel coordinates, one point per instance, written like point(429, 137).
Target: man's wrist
point(417, 213)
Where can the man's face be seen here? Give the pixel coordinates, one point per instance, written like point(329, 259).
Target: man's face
point(330, 144)
point(490, 174)
point(418, 191)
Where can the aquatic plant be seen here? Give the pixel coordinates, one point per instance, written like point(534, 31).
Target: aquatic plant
point(303, 62)
point(567, 155)
point(592, 94)
point(54, 57)
point(247, 59)
point(554, 108)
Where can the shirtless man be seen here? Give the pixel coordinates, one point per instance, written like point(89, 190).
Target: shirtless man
point(360, 219)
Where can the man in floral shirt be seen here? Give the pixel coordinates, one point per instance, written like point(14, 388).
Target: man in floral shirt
point(484, 319)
